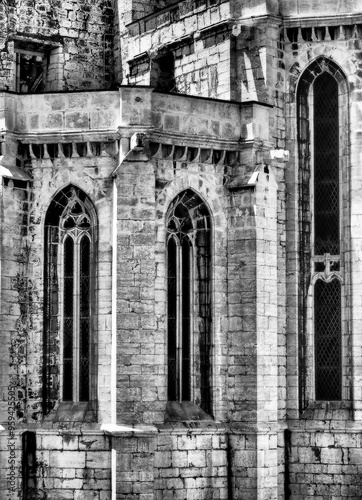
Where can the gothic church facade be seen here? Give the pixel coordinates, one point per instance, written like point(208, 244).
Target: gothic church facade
point(181, 249)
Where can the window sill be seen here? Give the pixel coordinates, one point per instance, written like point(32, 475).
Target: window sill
point(327, 410)
point(185, 411)
point(73, 412)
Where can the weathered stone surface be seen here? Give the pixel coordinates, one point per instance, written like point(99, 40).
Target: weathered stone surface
point(213, 85)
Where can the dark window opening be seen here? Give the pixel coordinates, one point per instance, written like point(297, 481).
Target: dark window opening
point(189, 301)
point(163, 73)
point(69, 239)
point(326, 166)
point(84, 308)
point(68, 319)
point(15, 183)
point(29, 465)
point(30, 71)
point(172, 319)
point(319, 231)
point(179, 320)
point(328, 349)
point(186, 319)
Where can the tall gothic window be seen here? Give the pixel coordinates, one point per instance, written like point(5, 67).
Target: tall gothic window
point(69, 285)
point(189, 300)
point(321, 257)
point(326, 215)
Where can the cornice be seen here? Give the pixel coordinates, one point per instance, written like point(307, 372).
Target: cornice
point(309, 21)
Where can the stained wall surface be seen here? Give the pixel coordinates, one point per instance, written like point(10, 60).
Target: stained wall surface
point(75, 39)
point(131, 106)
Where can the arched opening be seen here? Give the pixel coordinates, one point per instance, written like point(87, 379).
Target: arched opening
point(189, 300)
point(320, 93)
point(70, 236)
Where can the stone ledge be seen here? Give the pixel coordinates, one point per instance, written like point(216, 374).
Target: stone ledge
point(125, 430)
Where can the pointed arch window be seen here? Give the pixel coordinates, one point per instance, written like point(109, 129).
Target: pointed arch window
point(189, 300)
point(69, 281)
point(322, 247)
point(326, 232)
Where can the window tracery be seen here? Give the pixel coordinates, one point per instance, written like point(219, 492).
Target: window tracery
point(70, 240)
point(321, 244)
point(189, 300)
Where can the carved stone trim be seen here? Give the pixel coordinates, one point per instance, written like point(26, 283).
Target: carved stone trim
point(89, 149)
point(322, 33)
point(193, 154)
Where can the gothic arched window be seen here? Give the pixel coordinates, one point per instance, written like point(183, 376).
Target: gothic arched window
point(189, 300)
point(326, 239)
point(69, 286)
point(322, 247)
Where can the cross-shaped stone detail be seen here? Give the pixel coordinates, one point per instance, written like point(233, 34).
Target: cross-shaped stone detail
point(327, 264)
point(327, 259)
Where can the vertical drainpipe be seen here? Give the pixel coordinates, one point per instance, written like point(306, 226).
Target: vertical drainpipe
point(1, 251)
point(127, 146)
point(114, 306)
point(114, 335)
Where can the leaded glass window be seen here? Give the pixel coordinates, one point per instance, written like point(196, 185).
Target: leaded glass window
point(321, 276)
point(189, 304)
point(327, 321)
point(326, 166)
point(326, 215)
point(69, 285)
point(179, 319)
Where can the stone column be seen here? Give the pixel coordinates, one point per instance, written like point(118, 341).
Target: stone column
point(140, 383)
point(253, 375)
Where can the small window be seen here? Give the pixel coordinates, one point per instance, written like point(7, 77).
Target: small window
point(30, 71)
point(29, 465)
point(163, 73)
point(326, 166)
point(328, 348)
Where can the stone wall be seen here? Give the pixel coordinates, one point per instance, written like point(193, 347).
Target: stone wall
point(194, 460)
point(197, 459)
point(142, 45)
point(76, 38)
point(294, 8)
point(69, 464)
point(258, 441)
point(321, 446)
point(80, 460)
point(325, 463)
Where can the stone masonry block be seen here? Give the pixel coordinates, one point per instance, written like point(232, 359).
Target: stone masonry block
point(355, 456)
point(163, 459)
point(179, 459)
point(86, 495)
point(218, 458)
point(52, 442)
point(196, 458)
point(66, 459)
point(186, 442)
point(60, 494)
point(93, 442)
point(98, 459)
point(203, 442)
